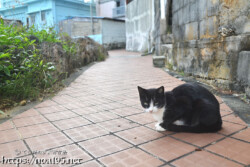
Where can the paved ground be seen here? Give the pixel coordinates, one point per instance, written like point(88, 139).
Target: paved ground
point(98, 119)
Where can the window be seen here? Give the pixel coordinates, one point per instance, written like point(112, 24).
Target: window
point(118, 3)
point(27, 21)
point(43, 16)
point(32, 19)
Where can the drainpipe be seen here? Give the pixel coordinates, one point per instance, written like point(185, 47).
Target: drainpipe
point(91, 14)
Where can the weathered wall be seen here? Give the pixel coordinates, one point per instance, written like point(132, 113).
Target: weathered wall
point(139, 25)
point(80, 27)
point(208, 37)
point(113, 34)
point(108, 32)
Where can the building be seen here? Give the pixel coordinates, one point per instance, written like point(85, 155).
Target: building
point(111, 8)
point(44, 13)
point(106, 31)
point(208, 39)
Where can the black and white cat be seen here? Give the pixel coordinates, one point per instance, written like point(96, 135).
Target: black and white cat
point(187, 108)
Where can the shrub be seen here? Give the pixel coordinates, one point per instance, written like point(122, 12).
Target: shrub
point(23, 72)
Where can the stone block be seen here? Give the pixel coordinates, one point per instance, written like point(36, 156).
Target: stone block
point(167, 38)
point(243, 70)
point(202, 9)
point(212, 7)
point(191, 31)
point(159, 61)
point(209, 27)
point(193, 11)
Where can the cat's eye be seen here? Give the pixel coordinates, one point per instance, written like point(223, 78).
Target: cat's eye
point(156, 103)
point(145, 103)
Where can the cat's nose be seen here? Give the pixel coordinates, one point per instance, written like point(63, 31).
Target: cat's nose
point(150, 111)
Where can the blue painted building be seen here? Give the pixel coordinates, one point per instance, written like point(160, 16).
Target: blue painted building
point(44, 13)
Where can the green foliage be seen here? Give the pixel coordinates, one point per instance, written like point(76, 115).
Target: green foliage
point(44, 35)
point(182, 73)
point(23, 72)
point(169, 66)
point(68, 45)
point(101, 55)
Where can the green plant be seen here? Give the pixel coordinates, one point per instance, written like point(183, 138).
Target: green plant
point(101, 56)
point(169, 66)
point(68, 45)
point(23, 72)
point(182, 73)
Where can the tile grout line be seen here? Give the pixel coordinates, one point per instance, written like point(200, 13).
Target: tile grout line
point(73, 142)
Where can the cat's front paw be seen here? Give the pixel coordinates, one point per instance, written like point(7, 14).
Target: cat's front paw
point(159, 128)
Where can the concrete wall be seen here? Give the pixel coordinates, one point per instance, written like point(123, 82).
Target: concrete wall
point(110, 33)
point(203, 45)
point(113, 34)
point(80, 27)
point(140, 25)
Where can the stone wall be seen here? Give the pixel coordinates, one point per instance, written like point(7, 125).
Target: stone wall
point(209, 38)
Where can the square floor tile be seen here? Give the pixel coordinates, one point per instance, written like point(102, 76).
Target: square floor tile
point(60, 115)
point(76, 105)
point(110, 106)
point(144, 118)
point(29, 121)
point(233, 118)
point(13, 149)
point(131, 102)
point(198, 139)
point(6, 125)
point(204, 159)
point(233, 149)
point(117, 125)
point(90, 164)
point(85, 132)
point(29, 113)
point(37, 130)
point(243, 135)
point(126, 111)
point(51, 109)
point(69, 152)
point(104, 145)
point(139, 135)
point(71, 123)
point(229, 128)
point(9, 135)
point(46, 103)
point(225, 113)
point(87, 110)
point(132, 158)
point(101, 116)
point(167, 148)
point(48, 141)
point(225, 107)
point(64, 99)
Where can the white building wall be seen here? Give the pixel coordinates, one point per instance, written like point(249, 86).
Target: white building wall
point(139, 25)
point(105, 9)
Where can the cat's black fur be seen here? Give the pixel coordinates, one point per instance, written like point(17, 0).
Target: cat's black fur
point(193, 104)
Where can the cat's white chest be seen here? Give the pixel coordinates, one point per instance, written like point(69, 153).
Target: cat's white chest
point(158, 116)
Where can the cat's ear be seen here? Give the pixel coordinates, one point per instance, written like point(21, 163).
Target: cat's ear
point(160, 90)
point(141, 90)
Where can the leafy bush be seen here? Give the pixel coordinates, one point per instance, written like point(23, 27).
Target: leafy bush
point(23, 72)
